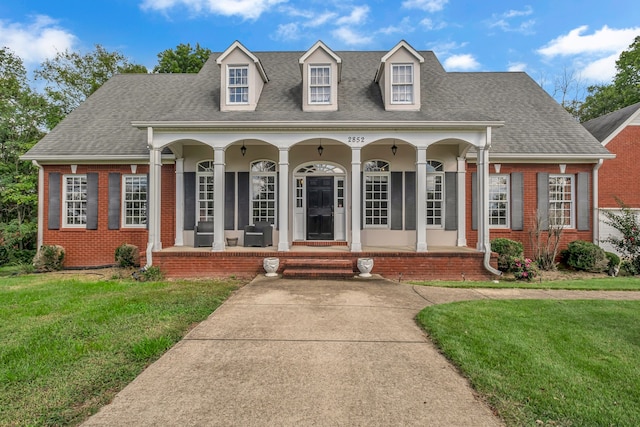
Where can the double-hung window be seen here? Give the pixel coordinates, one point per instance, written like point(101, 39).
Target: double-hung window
point(204, 176)
point(402, 83)
point(561, 200)
point(319, 84)
point(376, 193)
point(238, 88)
point(75, 201)
point(263, 191)
point(134, 203)
point(499, 201)
point(435, 193)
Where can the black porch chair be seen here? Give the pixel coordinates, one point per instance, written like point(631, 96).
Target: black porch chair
point(260, 234)
point(204, 234)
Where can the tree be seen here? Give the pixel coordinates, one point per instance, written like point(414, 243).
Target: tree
point(184, 59)
point(23, 116)
point(623, 91)
point(72, 77)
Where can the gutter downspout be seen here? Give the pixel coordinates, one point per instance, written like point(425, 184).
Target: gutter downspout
point(40, 238)
point(483, 163)
point(596, 210)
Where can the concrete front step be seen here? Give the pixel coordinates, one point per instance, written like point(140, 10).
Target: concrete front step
point(318, 267)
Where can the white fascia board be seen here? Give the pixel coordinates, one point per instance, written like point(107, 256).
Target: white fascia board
point(542, 158)
point(620, 128)
point(79, 159)
point(256, 61)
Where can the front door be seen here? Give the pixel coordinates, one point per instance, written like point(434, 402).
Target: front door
point(319, 208)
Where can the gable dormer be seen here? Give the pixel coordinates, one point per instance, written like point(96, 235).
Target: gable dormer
point(320, 68)
point(399, 78)
point(242, 78)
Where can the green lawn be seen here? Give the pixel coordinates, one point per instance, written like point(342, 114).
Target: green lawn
point(605, 283)
point(561, 363)
point(69, 345)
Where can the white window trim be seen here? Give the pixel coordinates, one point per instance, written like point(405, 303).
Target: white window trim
point(572, 211)
point(208, 173)
point(65, 217)
point(123, 202)
point(310, 85)
point(230, 86)
point(366, 174)
point(442, 200)
point(412, 84)
point(252, 199)
point(507, 202)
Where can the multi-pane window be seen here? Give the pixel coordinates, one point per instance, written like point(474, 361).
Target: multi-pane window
point(263, 191)
point(319, 84)
point(238, 84)
point(75, 200)
point(402, 83)
point(435, 193)
point(561, 200)
point(499, 201)
point(204, 176)
point(376, 193)
point(134, 204)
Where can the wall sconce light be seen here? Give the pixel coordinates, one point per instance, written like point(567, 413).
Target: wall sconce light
point(394, 148)
point(320, 149)
point(243, 149)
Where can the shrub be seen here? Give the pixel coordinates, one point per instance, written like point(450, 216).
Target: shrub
point(508, 250)
point(127, 256)
point(613, 267)
point(152, 274)
point(524, 269)
point(628, 243)
point(586, 256)
point(49, 258)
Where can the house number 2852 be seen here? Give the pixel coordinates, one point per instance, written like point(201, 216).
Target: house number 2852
point(355, 139)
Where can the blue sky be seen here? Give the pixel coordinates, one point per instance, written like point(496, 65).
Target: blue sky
point(545, 38)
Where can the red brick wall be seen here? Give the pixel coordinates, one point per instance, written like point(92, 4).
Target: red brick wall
point(90, 248)
point(529, 172)
point(620, 177)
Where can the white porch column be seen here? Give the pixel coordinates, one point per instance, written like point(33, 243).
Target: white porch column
point(483, 199)
point(179, 241)
point(462, 199)
point(421, 200)
point(218, 198)
point(356, 203)
point(283, 202)
point(155, 187)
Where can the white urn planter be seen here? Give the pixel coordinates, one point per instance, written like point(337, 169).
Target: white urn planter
point(365, 265)
point(271, 266)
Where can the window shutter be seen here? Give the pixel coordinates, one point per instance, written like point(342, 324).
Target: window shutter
point(396, 200)
point(451, 200)
point(115, 188)
point(582, 200)
point(243, 199)
point(53, 214)
point(229, 200)
point(543, 200)
point(517, 201)
point(189, 200)
point(410, 201)
point(474, 200)
point(92, 201)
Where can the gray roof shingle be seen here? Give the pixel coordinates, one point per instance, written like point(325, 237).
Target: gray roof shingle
point(602, 127)
point(534, 122)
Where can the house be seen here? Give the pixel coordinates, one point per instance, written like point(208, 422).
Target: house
point(619, 132)
point(346, 154)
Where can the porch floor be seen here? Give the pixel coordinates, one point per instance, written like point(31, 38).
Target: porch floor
point(317, 249)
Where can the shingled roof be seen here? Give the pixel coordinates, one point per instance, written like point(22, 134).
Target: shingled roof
point(534, 123)
point(602, 127)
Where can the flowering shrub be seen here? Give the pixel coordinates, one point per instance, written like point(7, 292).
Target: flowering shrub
point(524, 269)
point(627, 243)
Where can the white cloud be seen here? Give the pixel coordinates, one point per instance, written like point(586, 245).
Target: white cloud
point(350, 37)
point(357, 16)
point(600, 70)
point(429, 25)
point(247, 9)
point(426, 5)
point(287, 32)
point(505, 21)
point(605, 40)
point(464, 62)
point(36, 41)
point(517, 66)
point(321, 19)
point(403, 27)
point(443, 49)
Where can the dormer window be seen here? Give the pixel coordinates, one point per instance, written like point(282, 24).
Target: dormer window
point(319, 84)
point(238, 88)
point(402, 84)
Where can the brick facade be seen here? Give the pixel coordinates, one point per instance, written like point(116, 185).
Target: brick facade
point(619, 177)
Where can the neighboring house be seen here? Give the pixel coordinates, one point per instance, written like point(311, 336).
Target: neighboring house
point(383, 154)
point(619, 132)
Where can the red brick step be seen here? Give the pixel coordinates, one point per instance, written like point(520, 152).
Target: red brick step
point(330, 268)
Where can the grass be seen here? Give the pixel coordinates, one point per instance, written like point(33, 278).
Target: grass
point(604, 283)
point(69, 345)
point(546, 362)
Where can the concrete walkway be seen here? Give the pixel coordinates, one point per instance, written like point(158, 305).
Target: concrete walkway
point(297, 353)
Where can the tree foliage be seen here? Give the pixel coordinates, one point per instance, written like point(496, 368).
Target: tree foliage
point(71, 77)
point(623, 91)
point(182, 59)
